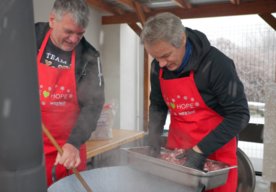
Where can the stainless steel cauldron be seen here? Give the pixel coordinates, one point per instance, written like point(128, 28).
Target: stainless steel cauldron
point(119, 179)
point(247, 178)
point(127, 179)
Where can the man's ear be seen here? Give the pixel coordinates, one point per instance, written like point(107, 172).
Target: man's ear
point(51, 19)
point(183, 39)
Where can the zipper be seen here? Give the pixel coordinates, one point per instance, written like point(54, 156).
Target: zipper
point(83, 72)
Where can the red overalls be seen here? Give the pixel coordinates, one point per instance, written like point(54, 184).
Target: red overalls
point(192, 120)
point(59, 109)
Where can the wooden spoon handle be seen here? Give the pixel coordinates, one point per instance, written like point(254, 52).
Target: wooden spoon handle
point(75, 171)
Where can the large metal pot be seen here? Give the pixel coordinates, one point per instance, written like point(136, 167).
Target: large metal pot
point(119, 179)
point(125, 179)
point(247, 178)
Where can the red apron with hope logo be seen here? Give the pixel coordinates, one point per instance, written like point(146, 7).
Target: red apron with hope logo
point(192, 120)
point(59, 109)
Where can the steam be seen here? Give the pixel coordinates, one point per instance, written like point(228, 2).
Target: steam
point(117, 179)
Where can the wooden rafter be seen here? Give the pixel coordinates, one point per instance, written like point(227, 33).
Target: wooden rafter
point(136, 28)
point(146, 9)
point(103, 6)
point(137, 7)
point(140, 13)
point(131, 5)
point(183, 3)
point(200, 11)
point(235, 2)
point(127, 3)
point(147, 61)
point(270, 19)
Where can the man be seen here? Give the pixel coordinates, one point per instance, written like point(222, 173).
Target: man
point(70, 84)
point(200, 88)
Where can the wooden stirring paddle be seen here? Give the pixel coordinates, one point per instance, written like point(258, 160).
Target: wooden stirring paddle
point(75, 171)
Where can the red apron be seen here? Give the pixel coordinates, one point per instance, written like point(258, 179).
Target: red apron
point(59, 109)
point(192, 120)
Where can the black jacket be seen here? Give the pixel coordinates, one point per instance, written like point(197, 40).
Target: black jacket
point(219, 85)
point(90, 86)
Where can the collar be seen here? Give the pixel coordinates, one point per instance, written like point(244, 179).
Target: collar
point(186, 57)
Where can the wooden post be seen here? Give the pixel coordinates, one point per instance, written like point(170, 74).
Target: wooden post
point(273, 187)
point(269, 167)
point(146, 89)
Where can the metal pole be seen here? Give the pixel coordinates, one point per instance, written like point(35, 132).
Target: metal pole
point(21, 149)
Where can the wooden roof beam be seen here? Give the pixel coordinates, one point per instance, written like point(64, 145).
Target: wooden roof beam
point(140, 13)
point(131, 5)
point(201, 11)
point(235, 2)
point(104, 7)
point(128, 3)
point(136, 28)
point(136, 7)
point(183, 3)
point(146, 9)
point(270, 19)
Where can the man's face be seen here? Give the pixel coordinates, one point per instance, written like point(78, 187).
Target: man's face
point(66, 34)
point(166, 54)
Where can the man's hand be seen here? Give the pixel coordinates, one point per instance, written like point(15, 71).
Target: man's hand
point(70, 157)
point(193, 159)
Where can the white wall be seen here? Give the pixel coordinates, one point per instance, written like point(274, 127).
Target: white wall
point(122, 68)
point(111, 67)
point(94, 29)
point(42, 9)
point(130, 91)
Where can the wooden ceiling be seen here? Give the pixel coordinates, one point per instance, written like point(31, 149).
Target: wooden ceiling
point(133, 12)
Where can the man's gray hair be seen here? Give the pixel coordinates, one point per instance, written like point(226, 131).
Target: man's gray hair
point(164, 26)
point(78, 8)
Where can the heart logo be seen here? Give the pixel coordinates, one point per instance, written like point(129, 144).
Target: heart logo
point(172, 105)
point(46, 94)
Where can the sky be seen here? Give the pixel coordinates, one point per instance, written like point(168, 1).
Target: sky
point(215, 27)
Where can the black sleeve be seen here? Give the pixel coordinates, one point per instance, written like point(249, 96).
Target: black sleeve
point(225, 84)
point(41, 28)
point(91, 100)
point(158, 108)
